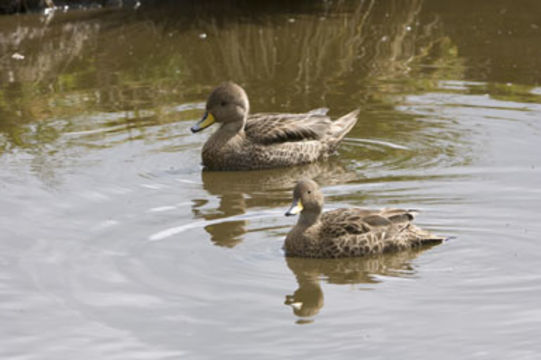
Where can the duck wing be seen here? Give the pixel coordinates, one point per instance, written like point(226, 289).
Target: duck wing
point(398, 216)
point(359, 221)
point(277, 128)
point(341, 222)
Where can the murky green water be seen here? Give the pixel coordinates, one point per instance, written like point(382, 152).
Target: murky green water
point(115, 245)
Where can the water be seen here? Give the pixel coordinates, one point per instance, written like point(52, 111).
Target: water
point(114, 243)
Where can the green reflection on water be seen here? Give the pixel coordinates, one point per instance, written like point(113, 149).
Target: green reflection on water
point(107, 61)
point(340, 55)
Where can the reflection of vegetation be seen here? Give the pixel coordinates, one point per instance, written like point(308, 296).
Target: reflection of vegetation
point(303, 56)
point(108, 61)
point(308, 300)
point(497, 39)
point(23, 6)
point(509, 92)
point(118, 70)
point(435, 61)
point(63, 75)
point(294, 56)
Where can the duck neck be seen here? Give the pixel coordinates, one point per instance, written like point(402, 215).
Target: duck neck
point(227, 136)
point(231, 129)
point(308, 218)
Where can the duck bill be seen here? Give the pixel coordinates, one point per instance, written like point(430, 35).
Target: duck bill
point(205, 122)
point(295, 208)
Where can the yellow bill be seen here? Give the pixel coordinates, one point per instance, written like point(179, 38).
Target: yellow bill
point(295, 208)
point(205, 122)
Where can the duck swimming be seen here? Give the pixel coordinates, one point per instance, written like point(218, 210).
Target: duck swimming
point(267, 140)
point(348, 232)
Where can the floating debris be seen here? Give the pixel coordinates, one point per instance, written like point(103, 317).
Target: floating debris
point(202, 36)
point(17, 56)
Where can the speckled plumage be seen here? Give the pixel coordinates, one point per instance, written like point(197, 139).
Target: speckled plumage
point(349, 232)
point(266, 140)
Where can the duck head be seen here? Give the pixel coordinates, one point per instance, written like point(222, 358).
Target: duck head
point(307, 200)
point(227, 104)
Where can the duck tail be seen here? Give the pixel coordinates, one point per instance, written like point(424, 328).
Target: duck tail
point(342, 125)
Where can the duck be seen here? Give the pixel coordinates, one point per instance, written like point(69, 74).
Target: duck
point(349, 232)
point(247, 141)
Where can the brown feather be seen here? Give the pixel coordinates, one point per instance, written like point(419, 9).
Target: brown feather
point(278, 128)
point(350, 232)
point(261, 141)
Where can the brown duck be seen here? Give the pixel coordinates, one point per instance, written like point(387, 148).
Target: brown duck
point(266, 140)
point(348, 232)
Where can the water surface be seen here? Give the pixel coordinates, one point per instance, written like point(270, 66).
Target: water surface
point(115, 244)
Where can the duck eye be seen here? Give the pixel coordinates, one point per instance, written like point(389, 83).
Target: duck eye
point(309, 191)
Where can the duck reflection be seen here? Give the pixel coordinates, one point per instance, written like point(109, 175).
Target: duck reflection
point(308, 299)
point(228, 233)
point(240, 190)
